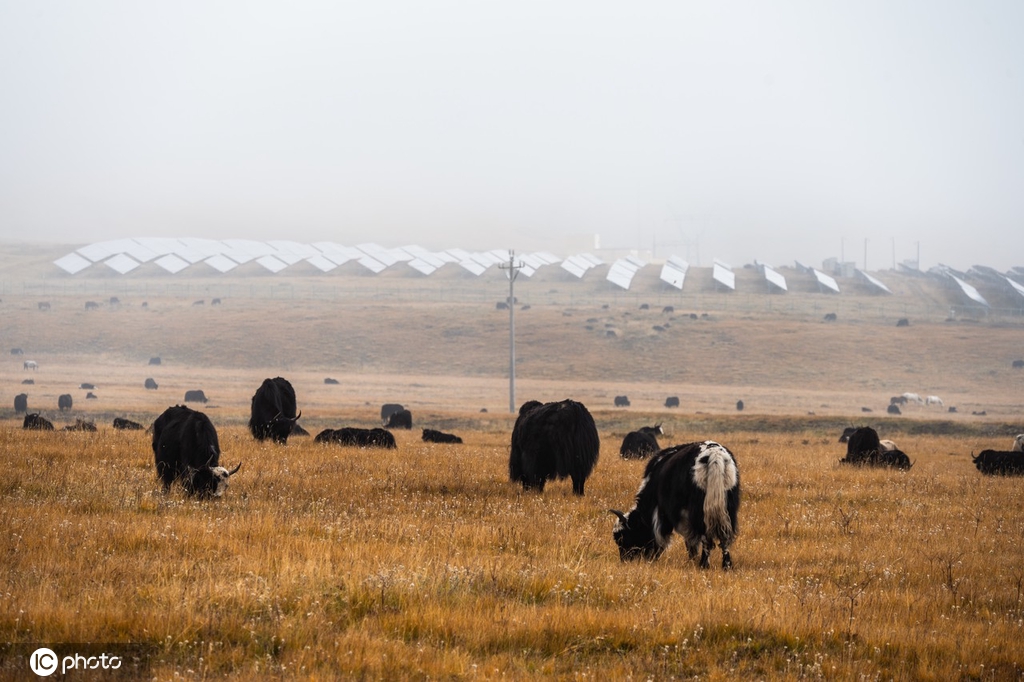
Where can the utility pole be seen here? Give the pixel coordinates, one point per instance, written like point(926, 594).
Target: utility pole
point(513, 269)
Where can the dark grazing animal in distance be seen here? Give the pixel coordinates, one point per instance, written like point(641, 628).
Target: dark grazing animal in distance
point(186, 449)
point(621, 401)
point(997, 463)
point(865, 449)
point(387, 409)
point(150, 383)
point(272, 413)
point(21, 403)
point(642, 443)
point(35, 422)
point(432, 436)
point(195, 396)
point(692, 489)
point(358, 437)
point(122, 424)
point(553, 441)
point(401, 419)
point(672, 401)
point(80, 425)
point(64, 402)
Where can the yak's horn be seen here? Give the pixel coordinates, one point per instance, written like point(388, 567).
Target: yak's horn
point(235, 470)
point(622, 517)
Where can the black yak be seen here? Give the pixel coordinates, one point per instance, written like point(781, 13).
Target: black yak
point(36, 423)
point(692, 489)
point(387, 409)
point(401, 419)
point(621, 401)
point(151, 384)
point(865, 449)
point(80, 425)
point(432, 436)
point(195, 396)
point(996, 463)
point(64, 402)
point(273, 410)
point(672, 401)
point(186, 449)
point(642, 443)
point(21, 403)
point(358, 437)
point(123, 424)
point(553, 440)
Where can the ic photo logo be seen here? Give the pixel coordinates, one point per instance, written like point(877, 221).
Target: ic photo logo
point(44, 662)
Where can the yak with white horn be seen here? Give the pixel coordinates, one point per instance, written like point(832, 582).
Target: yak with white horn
point(186, 449)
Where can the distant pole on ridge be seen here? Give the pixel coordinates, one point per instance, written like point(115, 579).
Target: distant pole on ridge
point(513, 269)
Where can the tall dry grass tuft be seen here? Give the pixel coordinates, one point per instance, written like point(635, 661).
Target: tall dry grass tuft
point(322, 561)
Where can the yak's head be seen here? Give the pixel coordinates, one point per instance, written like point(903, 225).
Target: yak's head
point(209, 481)
point(635, 541)
point(1018, 443)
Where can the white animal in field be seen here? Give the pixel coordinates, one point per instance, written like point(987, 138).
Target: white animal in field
point(933, 400)
point(913, 397)
point(887, 445)
point(1018, 443)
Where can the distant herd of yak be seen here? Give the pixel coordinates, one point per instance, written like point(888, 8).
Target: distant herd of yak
point(691, 489)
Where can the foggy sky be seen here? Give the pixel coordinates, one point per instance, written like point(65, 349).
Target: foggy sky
point(737, 130)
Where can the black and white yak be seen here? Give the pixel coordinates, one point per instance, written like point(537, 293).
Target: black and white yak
point(863, 448)
point(434, 436)
point(272, 412)
point(692, 489)
point(358, 437)
point(553, 441)
point(642, 443)
point(186, 449)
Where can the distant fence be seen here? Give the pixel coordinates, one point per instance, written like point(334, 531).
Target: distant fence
point(493, 290)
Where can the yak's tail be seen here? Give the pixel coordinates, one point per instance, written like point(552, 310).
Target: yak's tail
point(715, 472)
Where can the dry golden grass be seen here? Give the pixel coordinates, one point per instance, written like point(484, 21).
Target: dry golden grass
point(425, 562)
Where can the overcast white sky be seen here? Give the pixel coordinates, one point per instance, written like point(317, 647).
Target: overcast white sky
point(738, 130)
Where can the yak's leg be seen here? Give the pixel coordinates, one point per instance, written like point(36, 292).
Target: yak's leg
point(705, 554)
point(577, 486)
point(726, 558)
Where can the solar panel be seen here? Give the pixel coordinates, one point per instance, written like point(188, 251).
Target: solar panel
point(724, 275)
point(161, 246)
point(72, 263)
point(825, 281)
point(221, 263)
point(372, 264)
point(421, 265)
point(576, 266)
point(271, 263)
point(622, 271)
point(874, 281)
point(322, 263)
point(140, 252)
point(774, 277)
point(101, 250)
point(172, 263)
point(473, 266)
point(378, 254)
point(1016, 287)
point(674, 271)
point(970, 291)
point(803, 269)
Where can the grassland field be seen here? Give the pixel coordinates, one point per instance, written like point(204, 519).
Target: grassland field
point(323, 562)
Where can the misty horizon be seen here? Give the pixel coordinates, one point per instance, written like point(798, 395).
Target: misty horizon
point(749, 132)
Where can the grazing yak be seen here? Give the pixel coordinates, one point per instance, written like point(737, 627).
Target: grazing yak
point(401, 419)
point(865, 449)
point(155, 360)
point(621, 401)
point(122, 424)
point(913, 398)
point(1018, 364)
point(996, 463)
point(387, 409)
point(34, 422)
point(642, 443)
point(195, 396)
point(80, 425)
point(933, 400)
point(87, 386)
point(432, 436)
point(330, 381)
point(30, 364)
point(150, 383)
point(1018, 443)
point(186, 449)
point(272, 413)
point(363, 438)
point(64, 402)
point(894, 409)
point(21, 403)
point(553, 440)
point(672, 401)
point(739, 405)
point(692, 489)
